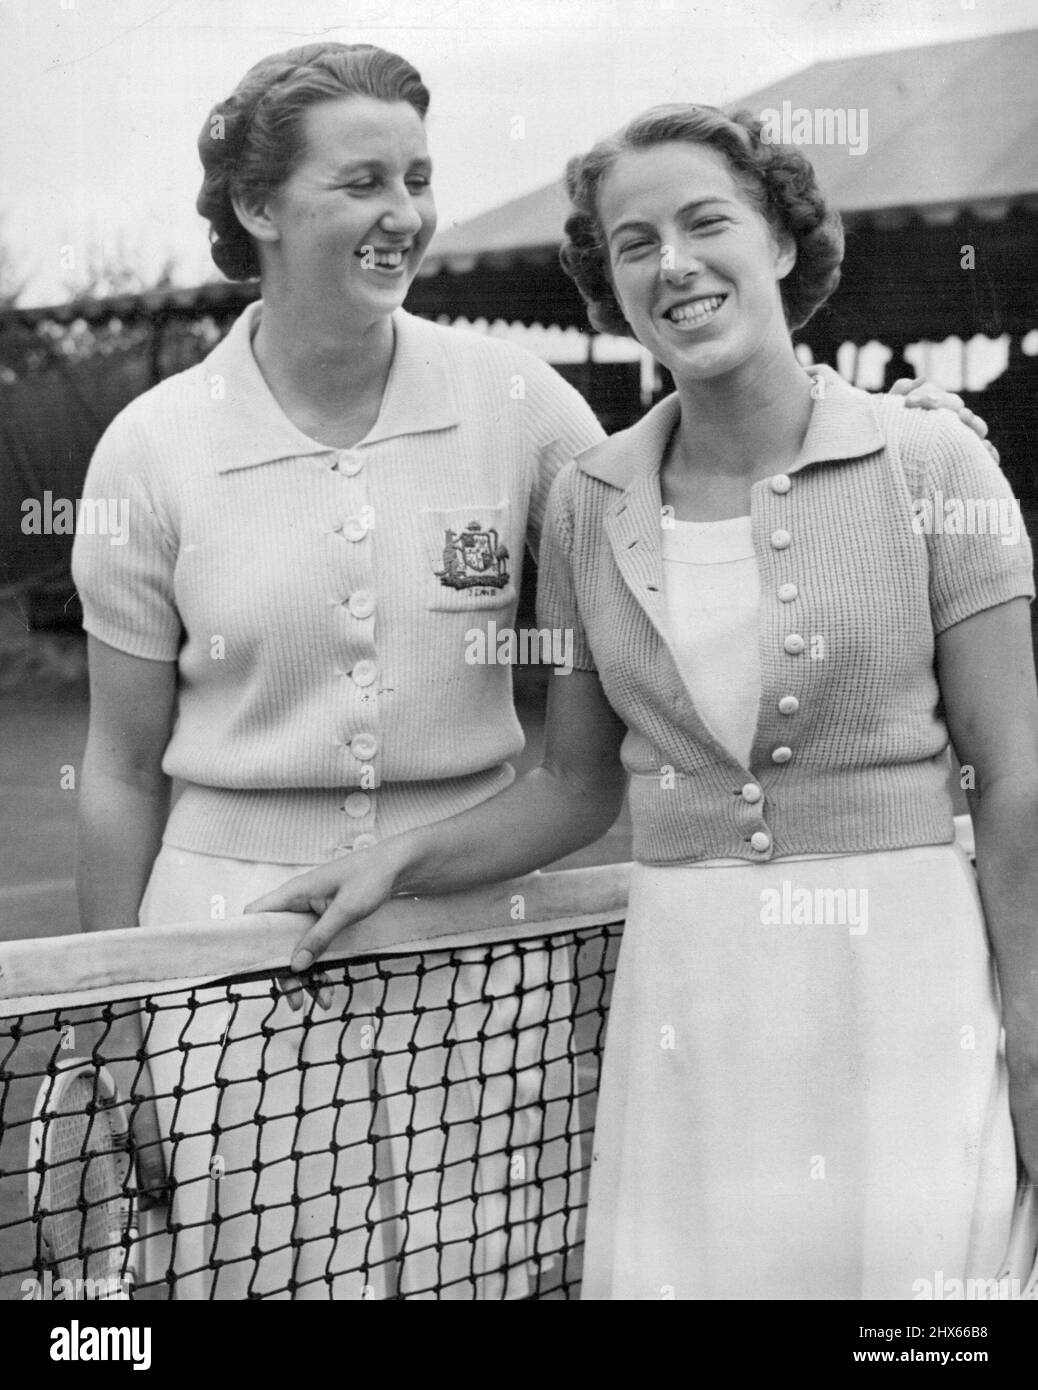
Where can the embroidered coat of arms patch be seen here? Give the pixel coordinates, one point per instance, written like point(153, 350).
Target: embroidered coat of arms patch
point(473, 559)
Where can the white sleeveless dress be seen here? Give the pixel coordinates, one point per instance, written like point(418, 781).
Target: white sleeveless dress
point(804, 1095)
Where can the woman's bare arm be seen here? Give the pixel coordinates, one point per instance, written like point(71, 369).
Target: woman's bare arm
point(566, 803)
point(986, 670)
point(124, 794)
point(123, 804)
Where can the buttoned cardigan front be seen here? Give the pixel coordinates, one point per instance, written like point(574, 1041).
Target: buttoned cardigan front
point(851, 750)
point(319, 602)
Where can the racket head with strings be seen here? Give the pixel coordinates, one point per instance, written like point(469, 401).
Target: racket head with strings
point(81, 1189)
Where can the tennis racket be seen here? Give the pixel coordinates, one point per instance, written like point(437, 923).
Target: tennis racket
point(82, 1195)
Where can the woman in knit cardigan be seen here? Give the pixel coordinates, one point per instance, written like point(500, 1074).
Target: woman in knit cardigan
point(784, 598)
point(281, 635)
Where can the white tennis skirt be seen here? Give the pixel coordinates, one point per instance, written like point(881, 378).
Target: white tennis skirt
point(804, 1094)
point(274, 1122)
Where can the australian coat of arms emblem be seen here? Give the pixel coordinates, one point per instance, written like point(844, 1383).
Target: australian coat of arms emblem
point(473, 559)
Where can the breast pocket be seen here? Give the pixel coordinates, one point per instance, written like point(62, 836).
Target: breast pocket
point(472, 559)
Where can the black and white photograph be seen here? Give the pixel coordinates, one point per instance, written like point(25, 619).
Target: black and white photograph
point(519, 753)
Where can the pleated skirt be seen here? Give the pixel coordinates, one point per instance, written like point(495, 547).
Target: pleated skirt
point(804, 1092)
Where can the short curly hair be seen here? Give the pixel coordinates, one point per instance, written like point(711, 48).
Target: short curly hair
point(779, 180)
point(251, 142)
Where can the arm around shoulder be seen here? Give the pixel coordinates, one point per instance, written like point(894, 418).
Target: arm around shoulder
point(980, 552)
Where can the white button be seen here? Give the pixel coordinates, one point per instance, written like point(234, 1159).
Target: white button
point(789, 704)
point(357, 804)
point(363, 746)
point(781, 755)
point(760, 841)
point(780, 483)
point(780, 539)
point(350, 464)
point(788, 592)
point(354, 528)
point(364, 842)
point(794, 644)
point(751, 792)
point(364, 672)
point(362, 603)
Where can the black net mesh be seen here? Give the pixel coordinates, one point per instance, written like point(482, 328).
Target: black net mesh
point(426, 1136)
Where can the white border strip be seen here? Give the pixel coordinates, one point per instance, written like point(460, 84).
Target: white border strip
point(109, 966)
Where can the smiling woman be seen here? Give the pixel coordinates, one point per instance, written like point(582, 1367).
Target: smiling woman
point(254, 142)
point(774, 180)
point(330, 202)
point(778, 656)
point(816, 1132)
point(280, 634)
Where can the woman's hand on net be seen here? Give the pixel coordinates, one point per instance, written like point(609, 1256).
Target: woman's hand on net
point(295, 988)
point(922, 394)
point(339, 893)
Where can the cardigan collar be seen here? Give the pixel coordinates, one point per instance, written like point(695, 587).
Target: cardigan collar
point(843, 426)
point(248, 427)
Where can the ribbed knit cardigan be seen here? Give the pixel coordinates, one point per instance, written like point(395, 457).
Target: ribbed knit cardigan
point(859, 572)
point(319, 602)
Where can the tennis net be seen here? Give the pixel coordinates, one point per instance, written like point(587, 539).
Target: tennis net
point(425, 1135)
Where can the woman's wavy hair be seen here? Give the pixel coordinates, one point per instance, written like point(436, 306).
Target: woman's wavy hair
point(251, 142)
point(779, 180)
